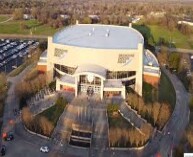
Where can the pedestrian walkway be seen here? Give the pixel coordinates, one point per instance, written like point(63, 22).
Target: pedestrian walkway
point(132, 116)
point(43, 100)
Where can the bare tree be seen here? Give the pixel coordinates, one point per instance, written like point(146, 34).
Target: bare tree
point(46, 125)
point(163, 115)
point(155, 111)
point(27, 117)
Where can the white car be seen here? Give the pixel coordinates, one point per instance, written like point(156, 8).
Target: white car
point(44, 149)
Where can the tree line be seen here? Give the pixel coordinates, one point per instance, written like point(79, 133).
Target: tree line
point(122, 137)
point(155, 113)
point(124, 134)
point(110, 12)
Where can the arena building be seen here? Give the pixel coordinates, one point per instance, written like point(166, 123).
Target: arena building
point(99, 59)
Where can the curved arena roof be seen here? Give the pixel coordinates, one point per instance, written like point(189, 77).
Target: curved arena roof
point(99, 36)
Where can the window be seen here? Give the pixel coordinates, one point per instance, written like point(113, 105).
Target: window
point(123, 58)
point(60, 52)
point(128, 83)
point(56, 74)
point(57, 66)
point(65, 69)
point(119, 74)
point(84, 80)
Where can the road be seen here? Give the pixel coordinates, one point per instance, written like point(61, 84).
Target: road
point(26, 144)
point(175, 127)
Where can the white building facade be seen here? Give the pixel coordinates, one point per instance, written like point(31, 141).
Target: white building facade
point(97, 60)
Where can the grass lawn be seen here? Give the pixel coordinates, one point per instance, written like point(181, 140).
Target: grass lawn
point(154, 32)
point(165, 92)
point(115, 119)
point(4, 17)
point(33, 28)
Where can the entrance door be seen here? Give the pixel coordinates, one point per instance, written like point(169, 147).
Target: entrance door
point(90, 90)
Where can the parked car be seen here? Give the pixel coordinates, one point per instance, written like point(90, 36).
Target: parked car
point(8, 136)
point(44, 149)
point(3, 150)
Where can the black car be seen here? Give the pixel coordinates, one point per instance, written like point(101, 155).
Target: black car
point(3, 150)
point(9, 137)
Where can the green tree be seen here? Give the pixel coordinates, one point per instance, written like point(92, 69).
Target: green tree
point(174, 60)
point(163, 55)
point(86, 20)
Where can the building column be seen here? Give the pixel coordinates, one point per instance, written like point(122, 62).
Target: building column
point(50, 64)
point(123, 92)
point(76, 86)
point(57, 84)
point(102, 88)
point(139, 70)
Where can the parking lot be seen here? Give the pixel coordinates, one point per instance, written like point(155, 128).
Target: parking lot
point(13, 52)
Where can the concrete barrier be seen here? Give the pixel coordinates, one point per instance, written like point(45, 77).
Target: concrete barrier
point(131, 123)
point(129, 148)
point(34, 133)
point(136, 112)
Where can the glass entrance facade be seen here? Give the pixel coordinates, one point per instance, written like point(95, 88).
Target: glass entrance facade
point(89, 87)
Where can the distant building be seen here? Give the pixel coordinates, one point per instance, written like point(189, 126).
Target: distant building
point(186, 22)
point(99, 59)
point(94, 18)
point(135, 20)
point(64, 16)
point(27, 16)
point(157, 14)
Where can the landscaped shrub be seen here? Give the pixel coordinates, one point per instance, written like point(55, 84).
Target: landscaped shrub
point(121, 132)
point(44, 122)
point(155, 113)
point(112, 108)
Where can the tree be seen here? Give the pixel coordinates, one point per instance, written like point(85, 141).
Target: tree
point(27, 117)
point(174, 60)
point(34, 12)
point(189, 135)
point(46, 126)
point(163, 55)
point(155, 111)
point(163, 115)
point(3, 82)
point(140, 104)
point(18, 14)
point(147, 131)
point(87, 20)
point(170, 22)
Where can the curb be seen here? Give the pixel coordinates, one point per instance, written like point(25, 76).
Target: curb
point(33, 133)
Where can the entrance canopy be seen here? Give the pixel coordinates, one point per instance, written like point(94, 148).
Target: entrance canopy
point(87, 69)
point(113, 83)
